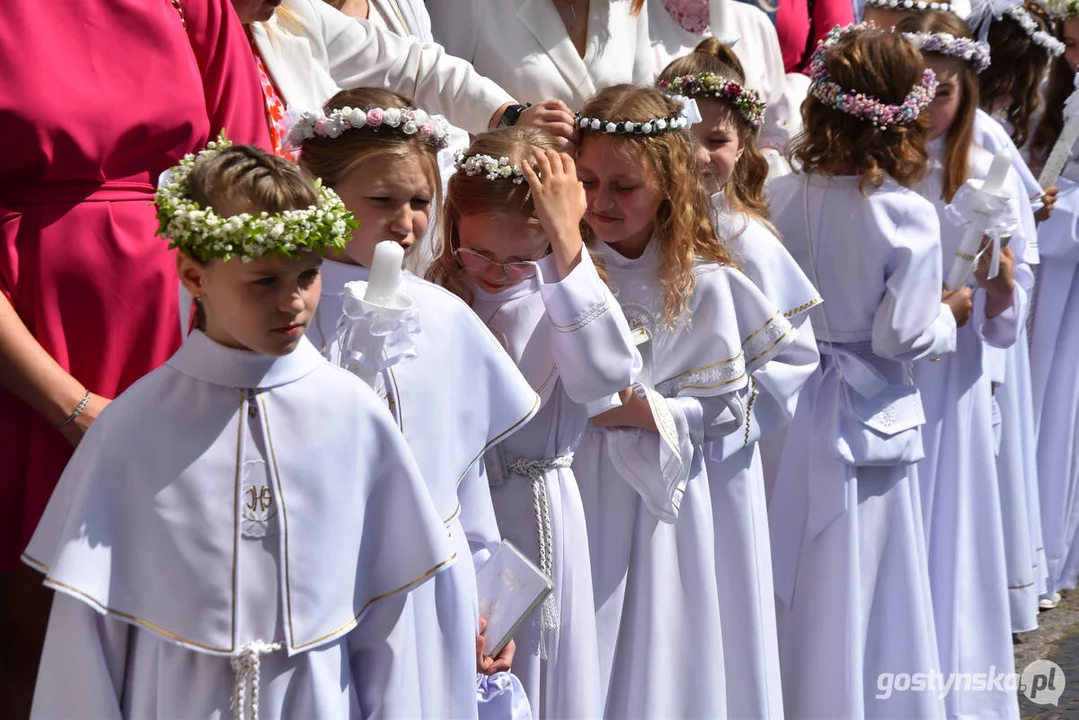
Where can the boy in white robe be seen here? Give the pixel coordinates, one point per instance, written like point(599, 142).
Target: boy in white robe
point(238, 530)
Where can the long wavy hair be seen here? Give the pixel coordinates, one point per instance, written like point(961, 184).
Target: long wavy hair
point(960, 136)
point(1061, 85)
point(745, 189)
point(683, 225)
point(832, 142)
point(1015, 74)
point(468, 195)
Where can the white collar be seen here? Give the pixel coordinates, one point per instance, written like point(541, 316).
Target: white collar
point(209, 361)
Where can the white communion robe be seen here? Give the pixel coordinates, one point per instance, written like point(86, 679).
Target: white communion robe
point(647, 496)
point(1010, 370)
point(962, 499)
point(851, 577)
point(523, 45)
point(457, 397)
point(226, 500)
point(736, 472)
point(572, 341)
point(1055, 345)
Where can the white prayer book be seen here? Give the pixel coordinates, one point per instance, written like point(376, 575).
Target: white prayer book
point(511, 587)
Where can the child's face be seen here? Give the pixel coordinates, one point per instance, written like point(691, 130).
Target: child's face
point(264, 305)
point(718, 144)
point(391, 199)
point(496, 249)
point(622, 192)
point(1071, 43)
point(949, 98)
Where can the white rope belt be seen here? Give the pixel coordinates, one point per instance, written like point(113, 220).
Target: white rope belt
point(535, 470)
point(246, 665)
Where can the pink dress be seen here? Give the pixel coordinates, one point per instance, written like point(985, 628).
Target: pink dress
point(98, 98)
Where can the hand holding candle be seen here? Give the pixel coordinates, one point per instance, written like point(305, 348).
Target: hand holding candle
point(992, 187)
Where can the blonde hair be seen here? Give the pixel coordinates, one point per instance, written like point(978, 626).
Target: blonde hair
point(476, 195)
point(683, 225)
point(745, 189)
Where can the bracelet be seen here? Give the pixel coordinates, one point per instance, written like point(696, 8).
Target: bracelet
point(78, 411)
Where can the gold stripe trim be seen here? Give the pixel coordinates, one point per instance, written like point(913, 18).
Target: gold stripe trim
point(56, 584)
point(756, 332)
point(453, 516)
point(713, 387)
point(502, 435)
point(965, 256)
point(771, 347)
point(38, 565)
point(375, 599)
point(749, 409)
point(1019, 587)
point(805, 306)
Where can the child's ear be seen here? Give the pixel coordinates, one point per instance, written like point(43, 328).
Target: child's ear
point(192, 274)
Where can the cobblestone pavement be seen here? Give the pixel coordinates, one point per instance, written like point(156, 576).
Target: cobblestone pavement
point(1056, 639)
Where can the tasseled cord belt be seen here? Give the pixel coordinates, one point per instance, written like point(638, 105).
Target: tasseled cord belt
point(245, 705)
point(535, 470)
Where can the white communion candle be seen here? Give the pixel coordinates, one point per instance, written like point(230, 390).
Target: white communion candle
point(719, 17)
point(385, 273)
point(1061, 153)
point(965, 256)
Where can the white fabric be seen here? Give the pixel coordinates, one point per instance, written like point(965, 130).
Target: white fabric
point(655, 582)
point(312, 51)
point(1055, 338)
point(852, 582)
point(572, 342)
point(736, 472)
point(757, 49)
point(194, 520)
point(523, 45)
point(481, 399)
point(962, 499)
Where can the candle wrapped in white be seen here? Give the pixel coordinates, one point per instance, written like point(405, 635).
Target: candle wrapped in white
point(1062, 149)
point(378, 320)
point(719, 17)
point(984, 205)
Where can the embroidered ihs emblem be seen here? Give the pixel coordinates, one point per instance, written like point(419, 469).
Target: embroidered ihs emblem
point(258, 506)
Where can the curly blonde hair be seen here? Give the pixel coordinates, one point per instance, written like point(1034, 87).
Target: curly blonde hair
point(468, 195)
point(832, 142)
point(683, 225)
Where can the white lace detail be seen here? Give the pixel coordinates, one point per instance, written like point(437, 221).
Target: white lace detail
point(583, 319)
point(247, 664)
point(766, 337)
point(708, 377)
point(639, 318)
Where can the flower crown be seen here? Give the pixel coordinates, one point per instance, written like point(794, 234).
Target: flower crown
point(985, 11)
point(863, 106)
point(1063, 9)
point(916, 5)
point(972, 51)
point(202, 233)
point(671, 123)
point(494, 168)
point(304, 125)
point(747, 101)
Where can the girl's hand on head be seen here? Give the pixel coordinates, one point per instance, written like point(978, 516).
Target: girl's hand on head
point(75, 429)
point(560, 204)
point(1049, 200)
point(551, 116)
point(960, 303)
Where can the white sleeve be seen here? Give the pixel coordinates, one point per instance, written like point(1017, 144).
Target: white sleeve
point(1058, 237)
point(911, 322)
point(644, 60)
point(83, 663)
point(456, 25)
point(361, 54)
point(589, 335)
point(478, 517)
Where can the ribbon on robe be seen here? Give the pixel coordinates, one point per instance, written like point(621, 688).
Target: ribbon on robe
point(690, 111)
point(970, 205)
point(361, 321)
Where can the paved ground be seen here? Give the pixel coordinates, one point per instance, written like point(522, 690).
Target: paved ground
point(1056, 639)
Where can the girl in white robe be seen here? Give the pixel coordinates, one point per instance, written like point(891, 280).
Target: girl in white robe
point(851, 575)
point(961, 496)
point(566, 332)
point(735, 172)
point(188, 537)
point(389, 179)
point(1055, 334)
point(644, 477)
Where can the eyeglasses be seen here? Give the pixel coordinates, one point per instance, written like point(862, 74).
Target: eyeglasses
point(475, 262)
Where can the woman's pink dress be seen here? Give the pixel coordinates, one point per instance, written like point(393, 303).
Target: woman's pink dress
point(97, 98)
